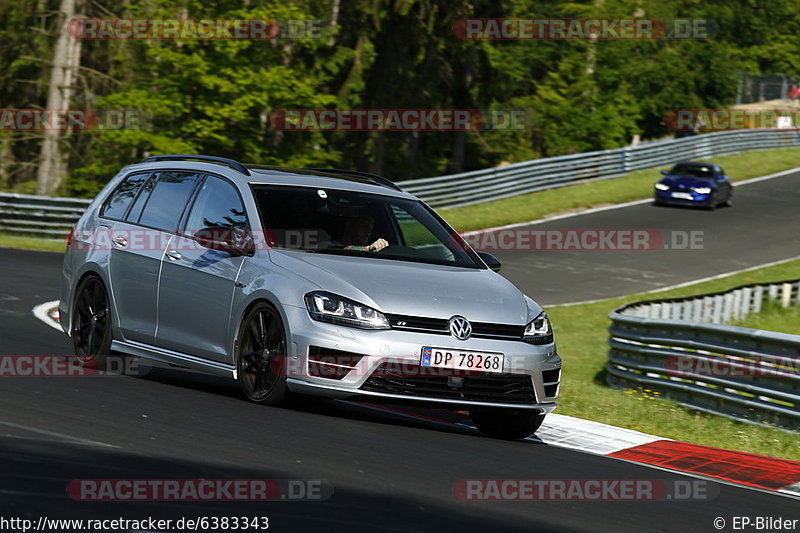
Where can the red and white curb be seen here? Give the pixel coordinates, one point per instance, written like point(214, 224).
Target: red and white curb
point(779, 476)
point(738, 468)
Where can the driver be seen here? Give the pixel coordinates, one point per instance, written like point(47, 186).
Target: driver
point(358, 230)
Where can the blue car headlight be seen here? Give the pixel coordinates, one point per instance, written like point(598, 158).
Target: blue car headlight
point(662, 187)
point(702, 190)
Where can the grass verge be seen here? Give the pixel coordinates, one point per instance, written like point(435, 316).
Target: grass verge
point(582, 336)
point(633, 186)
point(8, 240)
point(773, 317)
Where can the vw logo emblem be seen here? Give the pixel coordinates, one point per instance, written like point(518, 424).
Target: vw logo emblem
point(460, 328)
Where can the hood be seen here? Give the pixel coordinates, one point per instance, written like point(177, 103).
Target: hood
point(416, 289)
point(687, 182)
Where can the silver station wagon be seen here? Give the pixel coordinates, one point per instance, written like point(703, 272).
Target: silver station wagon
point(323, 282)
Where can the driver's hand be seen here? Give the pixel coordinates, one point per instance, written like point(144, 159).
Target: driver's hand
point(378, 245)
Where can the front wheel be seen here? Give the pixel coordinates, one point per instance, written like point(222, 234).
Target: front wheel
point(261, 356)
point(729, 201)
point(508, 424)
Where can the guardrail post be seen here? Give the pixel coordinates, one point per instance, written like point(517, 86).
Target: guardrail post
point(759, 299)
point(747, 296)
point(625, 153)
point(786, 294)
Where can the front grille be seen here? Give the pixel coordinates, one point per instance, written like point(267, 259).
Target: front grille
point(439, 326)
point(330, 363)
point(420, 382)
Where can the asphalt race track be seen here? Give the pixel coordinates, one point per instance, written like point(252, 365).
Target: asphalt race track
point(762, 226)
point(387, 473)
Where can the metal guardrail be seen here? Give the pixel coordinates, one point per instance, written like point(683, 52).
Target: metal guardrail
point(681, 348)
point(39, 215)
point(53, 217)
point(489, 184)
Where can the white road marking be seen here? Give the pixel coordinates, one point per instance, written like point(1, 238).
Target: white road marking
point(791, 490)
point(41, 312)
point(62, 436)
point(686, 283)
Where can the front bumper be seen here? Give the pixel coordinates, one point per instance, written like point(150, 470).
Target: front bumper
point(379, 349)
point(665, 197)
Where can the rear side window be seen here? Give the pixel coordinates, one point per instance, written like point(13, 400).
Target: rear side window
point(218, 205)
point(117, 204)
point(141, 200)
point(168, 199)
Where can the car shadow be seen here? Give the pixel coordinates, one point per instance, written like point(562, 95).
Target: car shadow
point(417, 416)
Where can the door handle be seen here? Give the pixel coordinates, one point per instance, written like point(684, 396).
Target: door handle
point(173, 255)
point(120, 242)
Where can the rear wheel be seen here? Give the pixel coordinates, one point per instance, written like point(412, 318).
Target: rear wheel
point(91, 325)
point(506, 424)
point(261, 356)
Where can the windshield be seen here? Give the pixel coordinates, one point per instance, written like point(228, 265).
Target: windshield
point(333, 221)
point(700, 171)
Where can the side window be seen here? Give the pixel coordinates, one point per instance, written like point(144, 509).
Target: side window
point(721, 171)
point(218, 205)
point(168, 199)
point(414, 232)
point(141, 200)
point(117, 204)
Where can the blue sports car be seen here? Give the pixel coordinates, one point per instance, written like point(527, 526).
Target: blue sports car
point(694, 184)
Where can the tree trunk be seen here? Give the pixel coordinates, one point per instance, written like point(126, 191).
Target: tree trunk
point(66, 59)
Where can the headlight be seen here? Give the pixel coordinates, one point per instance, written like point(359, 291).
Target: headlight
point(662, 187)
point(327, 307)
point(538, 330)
point(702, 190)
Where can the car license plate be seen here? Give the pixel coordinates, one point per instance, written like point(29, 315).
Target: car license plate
point(461, 360)
point(682, 195)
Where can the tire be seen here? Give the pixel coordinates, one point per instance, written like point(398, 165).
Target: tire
point(91, 324)
point(729, 201)
point(506, 424)
point(261, 356)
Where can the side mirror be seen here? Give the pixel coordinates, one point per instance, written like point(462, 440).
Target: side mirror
point(220, 239)
point(665, 172)
point(490, 260)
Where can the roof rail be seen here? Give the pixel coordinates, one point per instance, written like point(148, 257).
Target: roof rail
point(212, 158)
point(355, 173)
